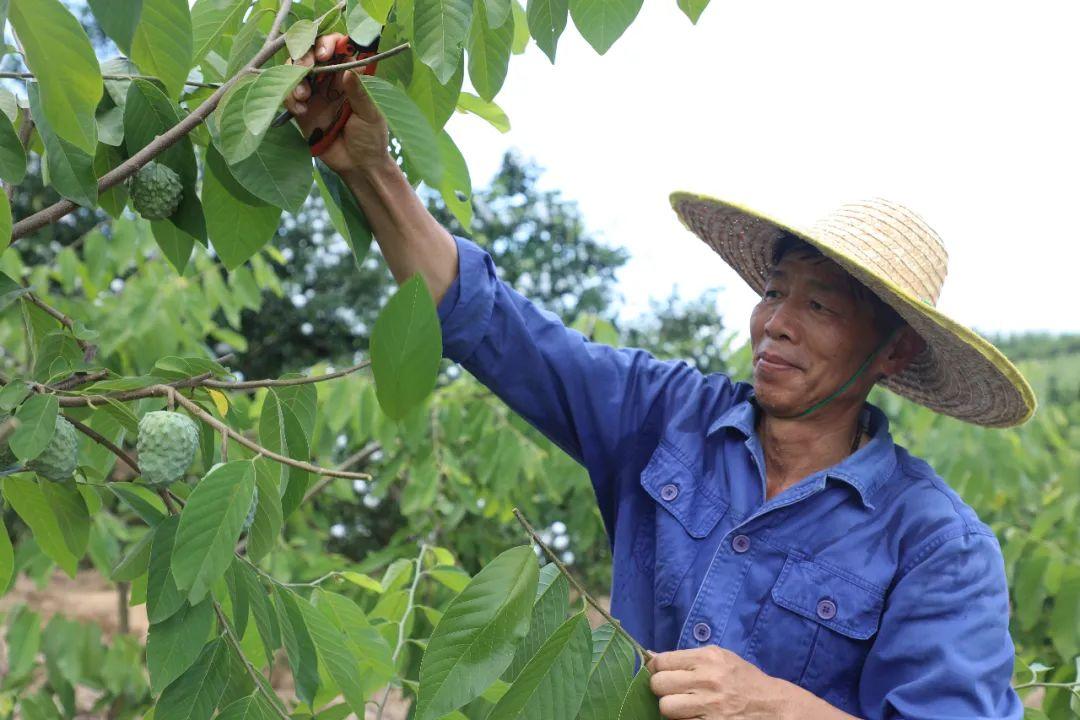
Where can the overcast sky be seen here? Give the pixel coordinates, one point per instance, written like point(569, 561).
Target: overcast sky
point(966, 111)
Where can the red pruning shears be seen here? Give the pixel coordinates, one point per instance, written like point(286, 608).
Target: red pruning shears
point(345, 51)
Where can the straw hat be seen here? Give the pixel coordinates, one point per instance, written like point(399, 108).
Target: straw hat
point(895, 254)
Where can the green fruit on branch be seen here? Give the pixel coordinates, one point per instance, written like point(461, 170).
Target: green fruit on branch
point(167, 444)
point(156, 191)
point(58, 460)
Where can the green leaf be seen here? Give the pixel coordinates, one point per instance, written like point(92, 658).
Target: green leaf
point(639, 702)
point(118, 19)
point(548, 613)
point(406, 348)
point(12, 155)
point(261, 610)
point(363, 28)
point(547, 20)
point(30, 504)
point(409, 125)
point(553, 682)
point(454, 578)
point(268, 517)
point(521, 28)
point(60, 55)
point(610, 675)
point(474, 642)
point(267, 93)
point(282, 432)
point(278, 170)
point(210, 20)
point(601, 22)
point(693, 8)
point(71, 514)
point(345, 212)
point(37, 423)
point(232, 136)
point(163, 45)
point(378, 9)
point(247, 41)
point(70, 170)
point(467, 102)
point(149, 113)
point(209, 527)
point(145, 502)
point(456, 187)
point(5, 223)
point(252, 707)
point(436, 101)
point(439, 31)
point(300, 37)
point(298, 644)
point(173, 645)
point(135, 562)
point(338, 658)
point(489, 52)
point(363, 581)
point(23, 641)
point(111, 127)
point(16, 390)
point(163, 598)
point(236, 227)
point(369, 646)
point(10, 291)
point(175, 244)
point(195, 694)
point(1065, 616)
point(7, 558)
point(113, 200)
point(498, 12)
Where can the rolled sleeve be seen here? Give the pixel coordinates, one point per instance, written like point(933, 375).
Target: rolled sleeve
point(588, 398)
point(943, 650)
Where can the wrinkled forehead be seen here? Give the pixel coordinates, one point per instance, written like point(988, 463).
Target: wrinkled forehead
point(808, 265)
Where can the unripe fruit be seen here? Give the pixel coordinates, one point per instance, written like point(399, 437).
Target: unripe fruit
point(156, 191)
point(167, 444)
point(58, 460)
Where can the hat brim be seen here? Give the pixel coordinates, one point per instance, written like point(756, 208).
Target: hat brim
point(959, 374)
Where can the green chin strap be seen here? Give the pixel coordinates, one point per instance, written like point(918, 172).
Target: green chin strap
point(843, 388)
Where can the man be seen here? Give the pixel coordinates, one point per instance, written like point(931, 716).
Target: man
point(789, 558)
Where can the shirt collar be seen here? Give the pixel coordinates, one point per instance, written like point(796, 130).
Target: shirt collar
point(865, 471)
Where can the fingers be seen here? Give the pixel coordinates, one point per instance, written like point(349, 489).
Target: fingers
point(676, 660)
point(361, 103)
point(683, 707)
point(673, 682)
point(324, 46)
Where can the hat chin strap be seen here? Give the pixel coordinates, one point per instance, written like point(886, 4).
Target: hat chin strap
point(843, 388)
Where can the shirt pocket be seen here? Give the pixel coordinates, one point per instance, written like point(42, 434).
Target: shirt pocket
point(818, 629)
point(685, 513)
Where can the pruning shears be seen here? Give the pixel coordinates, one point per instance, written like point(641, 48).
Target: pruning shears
point(346, 50)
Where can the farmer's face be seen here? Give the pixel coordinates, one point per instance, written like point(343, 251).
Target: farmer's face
point(809, 334)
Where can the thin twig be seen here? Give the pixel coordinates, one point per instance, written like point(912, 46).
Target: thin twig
point(645, 654)
point(79, 377)
point(371, 60)
point(104, 441)
point(161, 143)
point(249, 384)
point(253, 446)
point(88, 350)
point(401, 624)
point(355, 459)
point(275, 27)
point(256, 677)
point(109, 76)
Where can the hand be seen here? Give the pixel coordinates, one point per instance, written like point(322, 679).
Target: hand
point(711, 683)
point(363, 143)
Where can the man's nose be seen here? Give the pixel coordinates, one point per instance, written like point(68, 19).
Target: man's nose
point(782, 323)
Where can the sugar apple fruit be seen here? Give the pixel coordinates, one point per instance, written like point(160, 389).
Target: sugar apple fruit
point(57, 461)
point(167, 444)
point(156, 191)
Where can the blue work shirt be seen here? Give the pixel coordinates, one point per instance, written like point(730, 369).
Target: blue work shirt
point(871, 584)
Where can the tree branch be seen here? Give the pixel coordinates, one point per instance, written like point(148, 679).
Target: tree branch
point(104, 441)
point(401, 624)
point(109, 76)
point(645, 654)
point(353, 460)
point(162, 142)
point(88, 349)
point(249, 384)
point(253, 446)
point(323, 69)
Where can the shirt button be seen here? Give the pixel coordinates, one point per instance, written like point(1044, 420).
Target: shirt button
point(826, 609)
point(740, 543)
point(702, 632)
point(669, 492)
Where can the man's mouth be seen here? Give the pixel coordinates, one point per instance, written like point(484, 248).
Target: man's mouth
point(771, 361)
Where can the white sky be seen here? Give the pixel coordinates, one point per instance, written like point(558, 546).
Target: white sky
point(966, 111)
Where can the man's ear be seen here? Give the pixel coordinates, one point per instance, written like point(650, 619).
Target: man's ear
point(905, 349)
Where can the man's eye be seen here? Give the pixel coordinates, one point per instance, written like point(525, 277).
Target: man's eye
point(772, 294)
point(816, 306)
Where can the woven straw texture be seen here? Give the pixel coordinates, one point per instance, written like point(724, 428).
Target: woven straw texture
point(899, 257)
